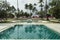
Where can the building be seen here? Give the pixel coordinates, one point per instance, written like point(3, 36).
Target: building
point(35, 16)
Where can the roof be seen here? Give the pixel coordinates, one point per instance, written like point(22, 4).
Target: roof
point(35, 15)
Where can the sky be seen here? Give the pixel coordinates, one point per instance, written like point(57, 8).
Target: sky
point(22, 3)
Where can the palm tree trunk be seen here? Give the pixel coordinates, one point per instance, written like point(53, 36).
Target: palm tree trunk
point(30, 13)
point(46, 12)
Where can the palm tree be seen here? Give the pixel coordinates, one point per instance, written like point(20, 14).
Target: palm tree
point(40, 1)
point(30, 7)
point(13, 8)
point(22, 13)
point(41, 5)
point(35, 4)
point(26, 6)
point(34, 10)
point(19, 14)
point(46, 10)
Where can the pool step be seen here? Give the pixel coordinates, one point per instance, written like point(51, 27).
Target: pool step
point(5, 27)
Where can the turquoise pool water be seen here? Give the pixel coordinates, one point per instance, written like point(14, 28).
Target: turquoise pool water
point(29, 32)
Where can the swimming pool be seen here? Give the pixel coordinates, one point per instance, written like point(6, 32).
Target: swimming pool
point(29, 32)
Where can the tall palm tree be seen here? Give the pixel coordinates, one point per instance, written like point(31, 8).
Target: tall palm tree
point(46, 10)
point(30, 7)
point(22, 13)
point(41, 5)
point(34, 9)
point(26, 6)
point(35, 4)
point(13, 8)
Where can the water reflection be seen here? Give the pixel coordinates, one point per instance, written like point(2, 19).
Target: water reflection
point(42, 31)
point(30, 29)
point(29, 32)
point(6, 34)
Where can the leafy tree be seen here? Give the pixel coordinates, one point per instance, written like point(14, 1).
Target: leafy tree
point(26, 14)
point(6, 10)
point(10, 15)
point(30, 14)
point(55, 12)
point(17, 15)
point(3, 14)
point(22, 13)
point(55, 8)
point(41, 13)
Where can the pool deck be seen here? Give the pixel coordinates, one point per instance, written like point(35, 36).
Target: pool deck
point(53, 26)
